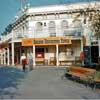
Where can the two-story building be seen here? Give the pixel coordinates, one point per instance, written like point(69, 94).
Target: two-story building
point(54, 34)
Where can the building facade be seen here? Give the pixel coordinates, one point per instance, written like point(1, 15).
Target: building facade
point(54, 35)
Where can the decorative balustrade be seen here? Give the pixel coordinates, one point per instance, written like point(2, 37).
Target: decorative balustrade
point(75, 32)
point(6, 37)
point(59, 32)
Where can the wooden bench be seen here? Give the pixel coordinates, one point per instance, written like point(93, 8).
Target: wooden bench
point(80, 72)
point(52, 61)
point(96, 82)
point(39, 61)
point(84, 75)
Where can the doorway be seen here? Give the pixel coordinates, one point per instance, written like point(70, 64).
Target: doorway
point(39, 52)
point(94, 54)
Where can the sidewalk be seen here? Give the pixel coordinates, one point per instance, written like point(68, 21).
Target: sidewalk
point(41, 83)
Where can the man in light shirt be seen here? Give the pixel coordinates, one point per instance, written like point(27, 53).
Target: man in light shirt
point(23, 61)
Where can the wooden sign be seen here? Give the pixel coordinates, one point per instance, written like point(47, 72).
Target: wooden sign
point(46, 41)
point(27, 42)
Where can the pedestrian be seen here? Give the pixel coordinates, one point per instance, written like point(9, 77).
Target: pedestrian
point(23, 61)
point(82, 58)
point(30, 60)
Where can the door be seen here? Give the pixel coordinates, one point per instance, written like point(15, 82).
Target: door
point(40, 53)
point(94, 54)
point(87, 55)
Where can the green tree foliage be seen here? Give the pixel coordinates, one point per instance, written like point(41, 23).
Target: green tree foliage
point(94, 22)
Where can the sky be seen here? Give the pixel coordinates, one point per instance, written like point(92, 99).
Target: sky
point(9, 8)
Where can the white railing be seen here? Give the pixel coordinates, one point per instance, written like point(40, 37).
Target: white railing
point(75, 32)
point(59, 32)
point(6, 37)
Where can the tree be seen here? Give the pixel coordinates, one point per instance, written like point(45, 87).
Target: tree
point(94, 23)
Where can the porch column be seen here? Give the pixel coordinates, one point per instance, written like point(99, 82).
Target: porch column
point(57, 60)
point(20, 53)
point(34, 56)
point(12, 47)
point(8, 56)
point(82, 50)
point(81, 45)
point(4, 56)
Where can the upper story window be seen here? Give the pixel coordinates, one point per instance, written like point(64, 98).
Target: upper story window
point(64, 27)
point(77, 28)
point(64, 24)
point(51, 25)
point(39, 27)
point(77, 24)
point(52, 28)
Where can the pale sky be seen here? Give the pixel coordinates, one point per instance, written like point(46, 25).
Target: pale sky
point(9, 8)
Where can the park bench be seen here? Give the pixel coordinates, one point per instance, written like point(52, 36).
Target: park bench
point(79, 73)
point(39, 61)
point(96, 81)
point(85, 75)
point(52, 61)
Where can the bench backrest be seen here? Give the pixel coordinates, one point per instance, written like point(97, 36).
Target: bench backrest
point(81, 69)
point(39, 59)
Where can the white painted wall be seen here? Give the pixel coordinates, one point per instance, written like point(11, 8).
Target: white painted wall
point(45, 32)
point(52, 8)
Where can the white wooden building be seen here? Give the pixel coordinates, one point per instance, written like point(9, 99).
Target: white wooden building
point(52, 33)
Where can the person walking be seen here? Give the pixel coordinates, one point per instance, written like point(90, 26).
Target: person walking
point(30, 61)
point(23, 61)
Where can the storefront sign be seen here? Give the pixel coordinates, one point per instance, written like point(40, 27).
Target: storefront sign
point(45, 41)
point(27, 42)
point(68, 41)
point(38, 41)
point(52, 41)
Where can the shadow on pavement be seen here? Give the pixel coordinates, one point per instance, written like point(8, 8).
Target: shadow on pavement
point(9, 80)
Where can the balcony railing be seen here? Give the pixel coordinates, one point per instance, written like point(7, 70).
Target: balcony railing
point(75, 32)
point(6, 37)
point(20, 35)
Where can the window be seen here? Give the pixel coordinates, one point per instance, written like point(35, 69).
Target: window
point(39, 50)
point(77, 24)
point(64, 24)
point(39, 27)
point(52, 28)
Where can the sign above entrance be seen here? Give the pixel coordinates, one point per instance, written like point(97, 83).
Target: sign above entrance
point(46, 41)
point(27, 42)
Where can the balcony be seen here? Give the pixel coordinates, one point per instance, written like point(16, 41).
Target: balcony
point(75, 32)
point(20, 36)
point(6, 37)
point(52, 34)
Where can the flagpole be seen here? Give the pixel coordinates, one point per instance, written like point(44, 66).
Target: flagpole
point(21, 4)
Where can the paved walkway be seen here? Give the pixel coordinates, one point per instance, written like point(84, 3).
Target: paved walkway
point(43, 83)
